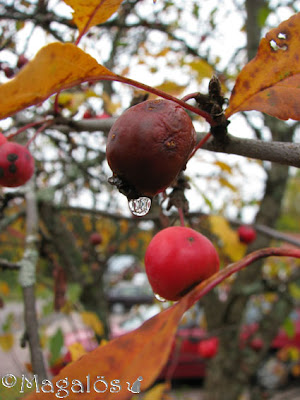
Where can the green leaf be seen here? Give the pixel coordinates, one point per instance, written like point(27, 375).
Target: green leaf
point(289, 327)
point(294, 290)
point(263, 14)
point(56, 344)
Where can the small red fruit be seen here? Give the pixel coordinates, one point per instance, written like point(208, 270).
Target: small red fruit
point(102, 116)
point(148, 146)
point(9, 72)
point(177, 259)
point(246, 234)
point(87, 114)
point(95, 238)
point(22, 60)
point(208, 348)
point(16, 164)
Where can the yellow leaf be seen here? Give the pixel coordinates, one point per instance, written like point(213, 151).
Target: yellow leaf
point(92, 320)
point(224, 166)
point(72, 100)
point(124, 226)
point(225, 182)
point(163, 52)
point(93, 12)
point(157, 392)
point(110, 106)
point(203, 69)
point(4, 288)
point(6, 341)
point(171, 88)
point(55, 67)
point(294, 353)
point(232, 246)
point(76, 350)
point(294, 290)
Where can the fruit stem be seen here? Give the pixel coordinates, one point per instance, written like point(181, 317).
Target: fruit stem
point(200, 144)
point(204, 287)
point(181, 216)
point(27, 126)
point(41, 128)
point(56, 105)
point(160, 93)
point(190, 96)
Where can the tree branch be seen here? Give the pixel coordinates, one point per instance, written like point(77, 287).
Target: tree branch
point(265, 230)
point(286, 153)
point(4, 264)
point(27, 281)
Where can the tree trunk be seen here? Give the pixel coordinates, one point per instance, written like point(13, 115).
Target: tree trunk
point(232, 370)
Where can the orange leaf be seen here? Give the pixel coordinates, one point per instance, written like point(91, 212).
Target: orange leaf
point(93, 12)
point(55, 67)
point(141, 353)
point(270, 83)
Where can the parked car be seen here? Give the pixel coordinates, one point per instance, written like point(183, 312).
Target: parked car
point(192, 347)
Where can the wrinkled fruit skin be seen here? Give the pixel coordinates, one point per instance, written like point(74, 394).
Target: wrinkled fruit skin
point(16, 164)
point(149, 145)
point(246, 234)
point(177, 259)
point(208, 348)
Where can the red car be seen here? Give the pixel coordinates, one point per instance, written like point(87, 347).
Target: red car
point(192, 347)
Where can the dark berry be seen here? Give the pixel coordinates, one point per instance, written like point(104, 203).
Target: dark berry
point(148, 146)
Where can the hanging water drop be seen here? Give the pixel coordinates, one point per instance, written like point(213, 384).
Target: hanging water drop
point(140, 206)
point(159, 298)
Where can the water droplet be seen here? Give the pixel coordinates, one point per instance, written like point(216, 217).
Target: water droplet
point(140, 206)
point(159, 298)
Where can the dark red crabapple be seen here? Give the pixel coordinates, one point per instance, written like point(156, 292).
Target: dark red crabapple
point(95, 238)
point(208, 348)
point(246, 234)
point(88, 114)
point(148, 146)
point(22, 60)
point(177, 259)
point(16, 164)
point(9, 72)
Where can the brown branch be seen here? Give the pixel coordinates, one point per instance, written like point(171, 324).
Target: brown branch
point(286, 153)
